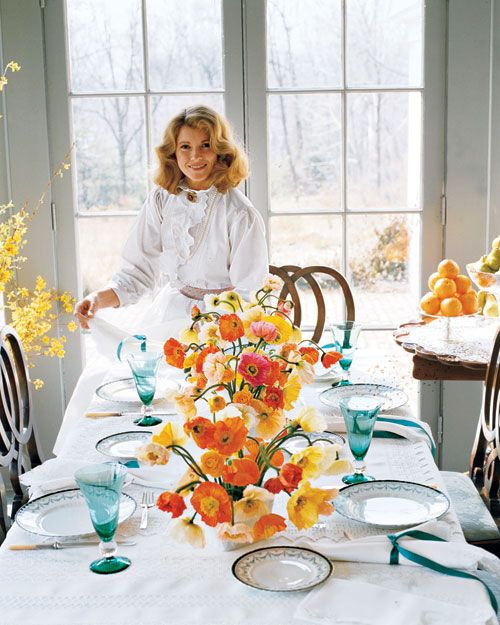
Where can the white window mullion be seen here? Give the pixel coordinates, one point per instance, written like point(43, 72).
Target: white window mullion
point(254, 68)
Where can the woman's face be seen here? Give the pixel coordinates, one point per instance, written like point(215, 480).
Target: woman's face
point(195, 157)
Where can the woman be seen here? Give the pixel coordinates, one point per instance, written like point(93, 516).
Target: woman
point(196, 233)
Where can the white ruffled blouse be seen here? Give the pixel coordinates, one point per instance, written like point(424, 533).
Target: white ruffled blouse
point(217, 241)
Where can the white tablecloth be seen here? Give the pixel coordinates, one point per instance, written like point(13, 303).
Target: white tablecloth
point(172, 584)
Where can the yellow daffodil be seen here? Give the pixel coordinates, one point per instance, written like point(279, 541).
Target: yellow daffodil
point(284, 328)
point(310, 460)
point(310, 420)
point(291, 391)
point(256, 502)
point(183, 530)
point(306, 504)
point(188, 336)
point(171, 434)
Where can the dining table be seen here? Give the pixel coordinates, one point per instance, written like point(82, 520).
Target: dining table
point(171, 583)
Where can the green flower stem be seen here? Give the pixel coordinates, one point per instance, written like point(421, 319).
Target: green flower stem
point(188, 459)
point(187, 486)
point(193, 517)
point(225, 301)
point(209, 389)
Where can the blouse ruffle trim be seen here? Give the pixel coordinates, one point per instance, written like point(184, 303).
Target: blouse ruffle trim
point(182, 216)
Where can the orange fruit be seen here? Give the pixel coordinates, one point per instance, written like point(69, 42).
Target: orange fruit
point(430, 304)
point(469, 301)
point(462, 283)
point(433, 278)
point(451, 307)
point(445, 287)
point(448, 268)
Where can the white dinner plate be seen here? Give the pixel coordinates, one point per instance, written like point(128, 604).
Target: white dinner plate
point(123, 391)
point(391, 396)
point(65, 514)
point(123, 445)
point(282, 569)
point(298, 443)
point(391, 503)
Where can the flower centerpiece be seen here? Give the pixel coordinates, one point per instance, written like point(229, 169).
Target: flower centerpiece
point(245, 363)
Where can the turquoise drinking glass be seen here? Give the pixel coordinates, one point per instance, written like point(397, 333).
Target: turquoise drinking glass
point(101, 485)
point(144, 367)
point(360, 414)
point(346, 336)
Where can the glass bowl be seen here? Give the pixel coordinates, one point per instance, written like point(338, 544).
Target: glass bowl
point(484, 280)
point(449, 329)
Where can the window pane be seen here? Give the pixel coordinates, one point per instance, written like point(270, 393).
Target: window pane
point(105, 45)
point(384, 43)
point(310, 240)
point(305, 149)
point(383, 261)
point(383, 150)
point(303, 43)
point(163, 108)
point(104, 237)
point(110, 153)
point(185, 44)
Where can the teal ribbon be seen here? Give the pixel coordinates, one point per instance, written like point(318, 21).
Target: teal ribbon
point(139, 337)
point(408, 423)
point(398, 550)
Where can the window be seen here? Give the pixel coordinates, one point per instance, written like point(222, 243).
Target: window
point(328, 96)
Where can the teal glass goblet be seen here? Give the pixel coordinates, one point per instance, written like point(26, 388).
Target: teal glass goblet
point(144, 367)
point(360, 414)
point(346, 336)
point(101, 485)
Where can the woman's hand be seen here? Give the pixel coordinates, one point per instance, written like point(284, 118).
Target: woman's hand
point(87, 307)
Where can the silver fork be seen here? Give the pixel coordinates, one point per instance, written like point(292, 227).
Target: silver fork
point(148, 501)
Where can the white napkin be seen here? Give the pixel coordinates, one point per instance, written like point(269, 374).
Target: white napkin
point(377, 550)
point(353, 602)
point(106, 336)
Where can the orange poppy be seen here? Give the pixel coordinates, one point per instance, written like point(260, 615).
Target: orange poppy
point(212, 463)
point(252, 447)
point(231, 327)
point(243, 397)
point(228, 436)
point(310, 354)
point(195, 311)
point(241, 472)
point(212, 503)
point(171, 502)
point(330, 358)
point(278, 458)
point(274, 485)
point(210, 349)
point(273, 374)
point(268, 525)
point(201, 430)
point(216, 403)
point(290, 475)
point(273, 396)
point(174, 353)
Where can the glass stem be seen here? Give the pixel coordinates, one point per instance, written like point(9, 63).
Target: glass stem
point(359, 467)
point(108, 548)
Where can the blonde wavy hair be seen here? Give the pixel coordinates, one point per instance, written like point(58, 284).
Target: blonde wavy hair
point(231, 166)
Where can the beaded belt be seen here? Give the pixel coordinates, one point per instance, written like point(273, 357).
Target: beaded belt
point(195, 293)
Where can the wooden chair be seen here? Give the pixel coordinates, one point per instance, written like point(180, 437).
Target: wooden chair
point(476, 497)
point(19, 448)
point(291, 274)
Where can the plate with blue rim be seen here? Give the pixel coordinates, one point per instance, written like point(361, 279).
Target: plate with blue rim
point(391, 503)
point(123, 445)
point(65, 514)
point(298, 443)
point(123, 391)
point(282, 569)
point(390, 396)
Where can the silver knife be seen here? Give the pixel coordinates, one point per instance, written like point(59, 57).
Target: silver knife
point(63, 545)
